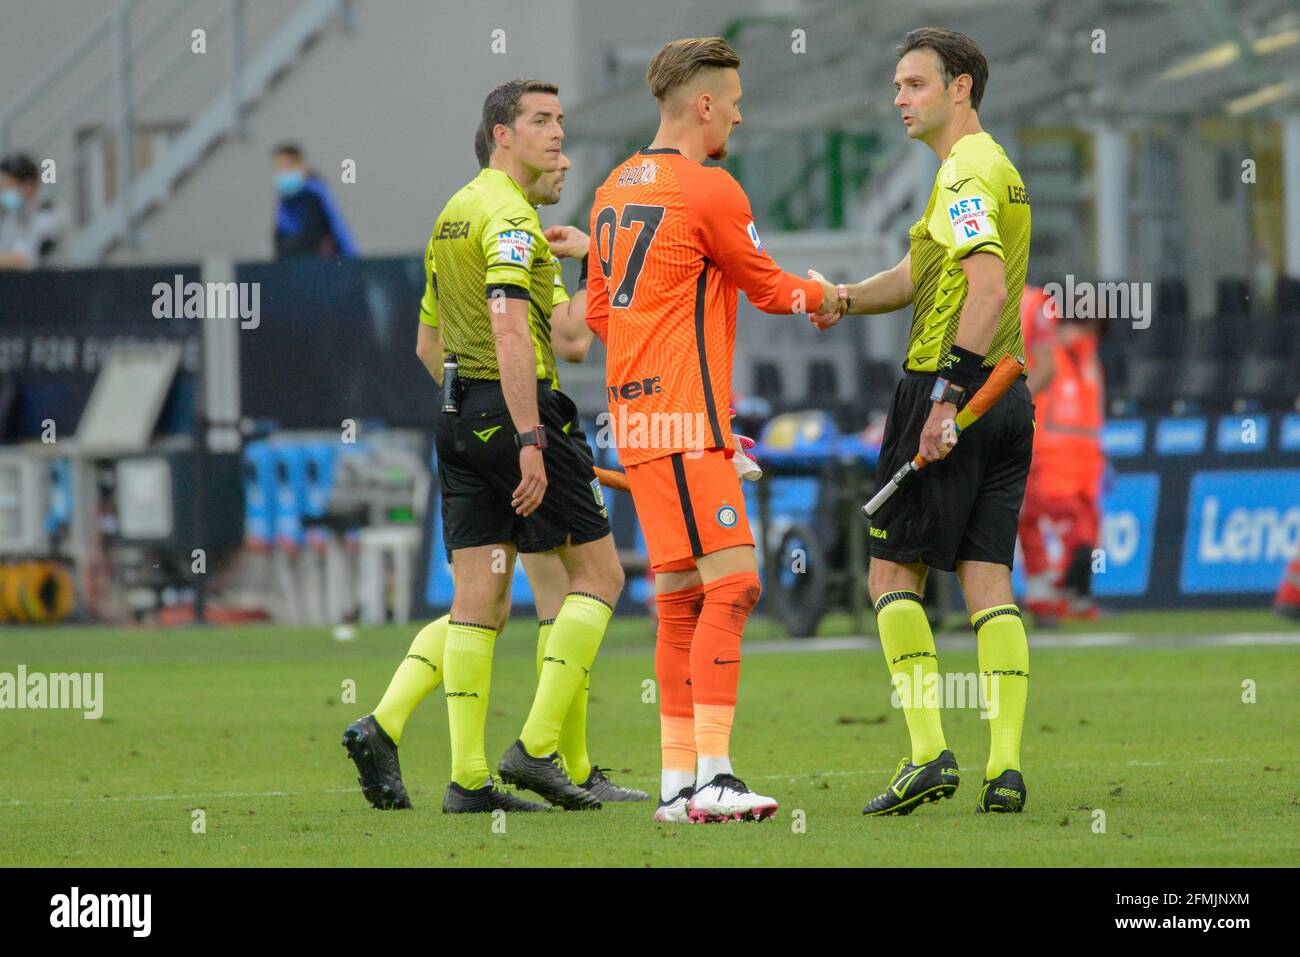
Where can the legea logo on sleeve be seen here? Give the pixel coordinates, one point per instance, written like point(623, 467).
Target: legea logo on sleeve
point(1242, 527)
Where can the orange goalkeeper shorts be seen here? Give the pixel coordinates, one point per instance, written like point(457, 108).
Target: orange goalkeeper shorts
point(688, 506)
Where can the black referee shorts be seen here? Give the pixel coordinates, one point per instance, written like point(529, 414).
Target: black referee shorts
point(478, 471)
point(965, 507)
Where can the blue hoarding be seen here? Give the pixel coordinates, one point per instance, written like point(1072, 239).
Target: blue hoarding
point(1289, 435)
point(1241, 529)
point(1182, 436)
point(1128, 534)
point(1242, 433)
point(1124, 438)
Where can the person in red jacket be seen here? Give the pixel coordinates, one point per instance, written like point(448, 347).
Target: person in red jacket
point(1064, 488)
point(1287, 601)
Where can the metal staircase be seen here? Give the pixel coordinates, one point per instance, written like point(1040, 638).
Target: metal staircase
point(135, 72)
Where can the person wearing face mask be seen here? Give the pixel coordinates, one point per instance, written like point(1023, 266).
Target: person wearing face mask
point(307, 223)
point(30, 224)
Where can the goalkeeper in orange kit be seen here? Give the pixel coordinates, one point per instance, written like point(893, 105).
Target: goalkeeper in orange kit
point(672, 242)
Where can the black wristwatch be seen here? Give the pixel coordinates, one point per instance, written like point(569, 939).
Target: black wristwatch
point(945, 391)
point(535, 436)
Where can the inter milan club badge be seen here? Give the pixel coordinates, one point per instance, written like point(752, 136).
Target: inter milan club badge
point(727, 516)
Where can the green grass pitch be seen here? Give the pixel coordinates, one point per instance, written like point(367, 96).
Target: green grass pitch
point(245, 725)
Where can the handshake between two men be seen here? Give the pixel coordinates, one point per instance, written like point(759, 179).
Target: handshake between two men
point(835, 301)
point(885, 292)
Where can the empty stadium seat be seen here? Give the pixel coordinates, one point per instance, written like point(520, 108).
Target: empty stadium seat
point(1171, 312)
point(875, 392)
point(1141, 363)
point(1212, 375)
point(824, 392)
point(1116, 352)
point(823, 383)
point(768, 382)
point(1288, 320)
point(1265, 375)
point(1200, 370)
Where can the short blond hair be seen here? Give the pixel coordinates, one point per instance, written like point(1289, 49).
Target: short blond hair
point(678, 62)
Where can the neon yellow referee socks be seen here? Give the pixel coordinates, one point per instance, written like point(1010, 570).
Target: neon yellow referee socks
point(909, 648)
point(573, 733)
point(418, 674)
point(569, 653)
point(467, 671)
point(543, 633)
point(1004, 674)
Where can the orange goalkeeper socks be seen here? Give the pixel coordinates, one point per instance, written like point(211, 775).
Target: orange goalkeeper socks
point(713, 739)
point(715, 648)
point(715, 660)
point(679, 612)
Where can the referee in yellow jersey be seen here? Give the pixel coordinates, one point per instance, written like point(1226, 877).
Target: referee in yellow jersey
point(963, 276)
point(372, 740)
point(515, 475)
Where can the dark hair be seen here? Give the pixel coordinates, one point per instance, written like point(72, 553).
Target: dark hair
point(20, 166)
point(678, 62)
point(291, 150)
point(957, 54)
point(482, 152)
point(503, 106)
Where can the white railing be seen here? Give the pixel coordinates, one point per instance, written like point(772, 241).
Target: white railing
point(124, 65)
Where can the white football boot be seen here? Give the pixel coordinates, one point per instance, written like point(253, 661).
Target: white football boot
point(675, 811)
point(727, 798)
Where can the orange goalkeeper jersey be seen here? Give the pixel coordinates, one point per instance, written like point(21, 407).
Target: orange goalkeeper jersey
point(671, 242)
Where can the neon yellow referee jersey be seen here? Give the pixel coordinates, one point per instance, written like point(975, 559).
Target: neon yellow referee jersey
point(978, 204)
point(488, 240)
point(429, 301)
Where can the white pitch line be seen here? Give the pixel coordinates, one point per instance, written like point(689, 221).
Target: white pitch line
point(109, 798)
point(1040, 642)
point(1066, 767)
point(1256, 638)
point(1117, 639)
point(854, 643)
point(810, 775)
point(1080, 640)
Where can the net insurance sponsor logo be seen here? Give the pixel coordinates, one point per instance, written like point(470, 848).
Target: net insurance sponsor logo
point(516, 246)
point(1242, 527)
point(1128, 535)
point(969, 218)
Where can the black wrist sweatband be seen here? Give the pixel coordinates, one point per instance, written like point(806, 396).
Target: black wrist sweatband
point(582, 274)
point(964, 367)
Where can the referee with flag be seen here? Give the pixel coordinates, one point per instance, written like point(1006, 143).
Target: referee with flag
point(963, 276)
